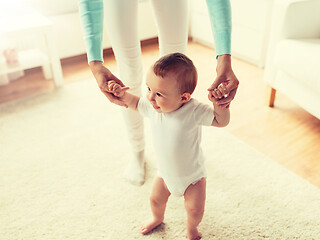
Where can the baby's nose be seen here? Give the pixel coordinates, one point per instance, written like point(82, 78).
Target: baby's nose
point(151, 97)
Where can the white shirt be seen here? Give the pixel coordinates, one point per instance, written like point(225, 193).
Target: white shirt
point(177, 136)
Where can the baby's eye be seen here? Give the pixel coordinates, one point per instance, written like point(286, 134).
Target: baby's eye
point(148, 89)
point(159, 95)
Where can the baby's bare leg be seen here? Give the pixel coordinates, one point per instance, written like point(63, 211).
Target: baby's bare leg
point(195, 197)
point(158, 201)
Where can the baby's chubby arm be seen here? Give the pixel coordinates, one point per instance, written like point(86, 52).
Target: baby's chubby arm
point(121, 92)
point(221, 114)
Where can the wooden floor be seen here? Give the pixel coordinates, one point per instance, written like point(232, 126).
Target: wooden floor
point(286, 133)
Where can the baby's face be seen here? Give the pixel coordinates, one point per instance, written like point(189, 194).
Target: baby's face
point(163, 93)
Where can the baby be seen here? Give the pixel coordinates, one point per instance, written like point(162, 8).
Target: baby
point(176, 121)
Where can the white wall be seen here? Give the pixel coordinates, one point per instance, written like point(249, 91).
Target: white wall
point(250, 28)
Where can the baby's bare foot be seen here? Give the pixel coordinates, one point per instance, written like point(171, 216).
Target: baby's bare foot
point(193, 234)
point(147, 227)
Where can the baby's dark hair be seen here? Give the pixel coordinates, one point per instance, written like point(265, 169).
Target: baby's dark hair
point(183, 69)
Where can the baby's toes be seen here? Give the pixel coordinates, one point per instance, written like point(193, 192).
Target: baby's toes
point(143, 229)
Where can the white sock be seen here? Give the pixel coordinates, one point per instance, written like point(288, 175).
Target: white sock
point(135, 171)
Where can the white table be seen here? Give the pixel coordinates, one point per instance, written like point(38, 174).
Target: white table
point(21, 25)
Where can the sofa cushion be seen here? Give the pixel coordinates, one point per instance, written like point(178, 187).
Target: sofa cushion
point(300, 58)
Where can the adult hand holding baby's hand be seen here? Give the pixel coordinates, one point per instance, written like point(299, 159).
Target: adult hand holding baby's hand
point(218, 93)
point(225, 75)
point(103, 76)
point(116, 89)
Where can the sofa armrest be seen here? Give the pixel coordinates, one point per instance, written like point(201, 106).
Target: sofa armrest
point(302, 19)
point(290, 19)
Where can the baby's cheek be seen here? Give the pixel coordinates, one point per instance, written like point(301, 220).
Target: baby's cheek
point(159, 101)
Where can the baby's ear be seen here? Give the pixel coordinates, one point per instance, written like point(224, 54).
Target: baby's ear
point(185, 97)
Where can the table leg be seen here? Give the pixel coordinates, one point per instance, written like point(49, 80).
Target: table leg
point(54, 60)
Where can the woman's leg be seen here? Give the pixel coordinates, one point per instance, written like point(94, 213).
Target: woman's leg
point(158, 202)
point(195, 197)
point(172, 22)
point(121, 18)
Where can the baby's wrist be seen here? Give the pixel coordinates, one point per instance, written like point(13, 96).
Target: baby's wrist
point(216, 105)
point(121, 95)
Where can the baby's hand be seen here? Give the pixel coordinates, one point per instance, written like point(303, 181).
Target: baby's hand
point(116, 89)
point(217, 93)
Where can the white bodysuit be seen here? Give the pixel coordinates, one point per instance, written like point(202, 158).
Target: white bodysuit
point(176, 138)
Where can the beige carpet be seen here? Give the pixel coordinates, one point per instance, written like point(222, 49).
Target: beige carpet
point(61, 161)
